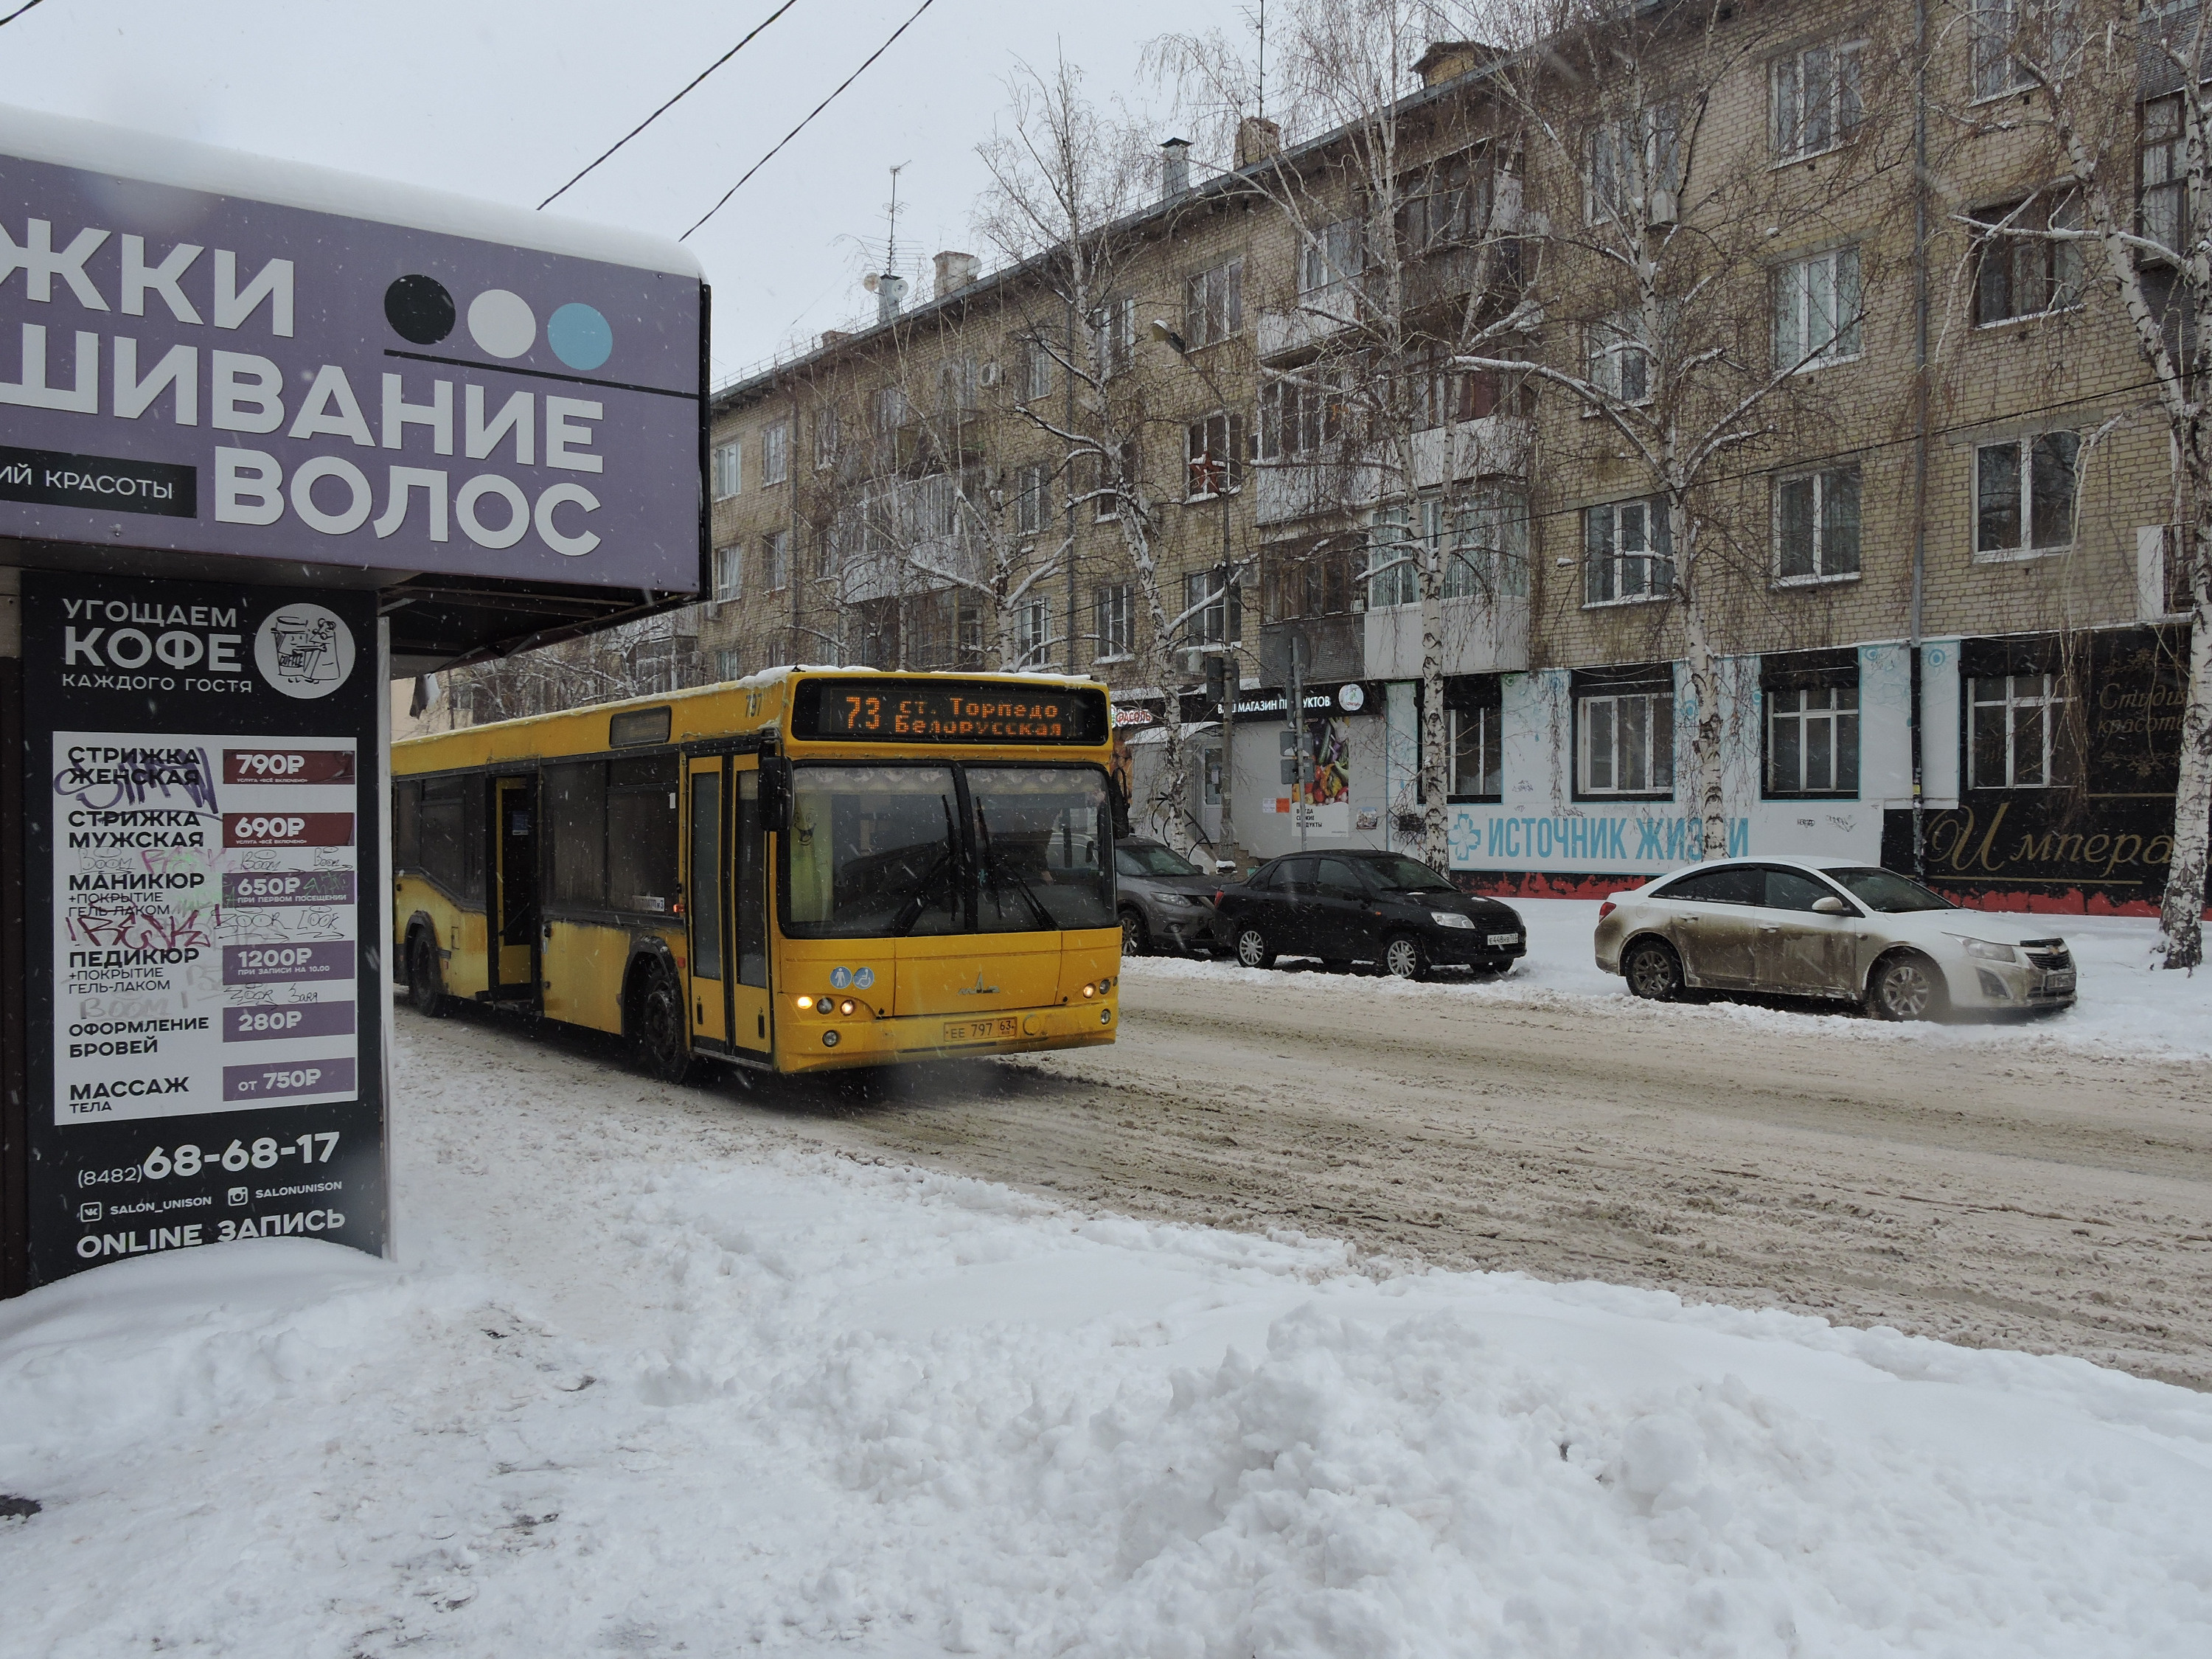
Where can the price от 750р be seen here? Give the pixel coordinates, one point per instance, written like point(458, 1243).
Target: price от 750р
point(264, 1154)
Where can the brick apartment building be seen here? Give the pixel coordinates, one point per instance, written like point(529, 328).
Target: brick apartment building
point(1942, 551)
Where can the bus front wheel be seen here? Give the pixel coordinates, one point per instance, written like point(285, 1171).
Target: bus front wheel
point(657, 1030)
point(426, 988)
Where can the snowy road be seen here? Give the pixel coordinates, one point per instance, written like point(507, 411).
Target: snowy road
point(2047, 1187)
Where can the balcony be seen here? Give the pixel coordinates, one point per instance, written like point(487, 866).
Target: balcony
point(1481, 635)
point(1294, 489)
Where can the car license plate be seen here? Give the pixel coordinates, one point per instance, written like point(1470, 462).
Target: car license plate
point(2061, 980)
point(1497, 939)
point(981, 1030)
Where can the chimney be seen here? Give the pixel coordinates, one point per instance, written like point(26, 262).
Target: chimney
point(1447, 60)
point(1174, 169)
point(832, 337)
point(1257, 138)
point(955, 271)
point(890, 295)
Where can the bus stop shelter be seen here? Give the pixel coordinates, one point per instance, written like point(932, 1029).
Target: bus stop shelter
point(271, 436)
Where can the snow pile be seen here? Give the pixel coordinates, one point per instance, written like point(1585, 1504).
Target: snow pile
point(2126, 1001)
point(669, 1388)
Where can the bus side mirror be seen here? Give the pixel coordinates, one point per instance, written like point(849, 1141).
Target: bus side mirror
point(774, 793)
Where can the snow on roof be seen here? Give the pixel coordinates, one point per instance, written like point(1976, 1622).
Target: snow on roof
point(96, 147)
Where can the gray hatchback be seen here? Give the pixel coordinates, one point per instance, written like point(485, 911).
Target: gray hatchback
point(1166, 903)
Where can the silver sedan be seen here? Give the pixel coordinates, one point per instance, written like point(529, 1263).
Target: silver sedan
point(1828, 927)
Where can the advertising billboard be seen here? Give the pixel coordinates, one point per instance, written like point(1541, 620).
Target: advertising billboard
point(202, 835)
point(203, 352)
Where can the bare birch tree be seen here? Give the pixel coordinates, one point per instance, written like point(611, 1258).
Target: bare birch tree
point(2117, 105)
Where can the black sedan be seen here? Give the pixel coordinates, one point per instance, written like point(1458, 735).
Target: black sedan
point(1348, 906)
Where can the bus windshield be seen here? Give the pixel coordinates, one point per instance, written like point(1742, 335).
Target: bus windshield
point(892, 850)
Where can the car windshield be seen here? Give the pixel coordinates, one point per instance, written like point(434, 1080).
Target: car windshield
point(1401, 875)
point(1887, 891)
point(1150, 859)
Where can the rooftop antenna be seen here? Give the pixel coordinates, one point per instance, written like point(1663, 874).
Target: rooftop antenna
point(889, 287)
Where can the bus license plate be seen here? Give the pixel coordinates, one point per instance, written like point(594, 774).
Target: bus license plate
point(981, 1030)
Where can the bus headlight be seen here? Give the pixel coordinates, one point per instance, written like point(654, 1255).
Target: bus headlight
point(806, 1004)
point(845, 1007)
point(1089, 990)
point(1105, 1016)
point(830, 1039)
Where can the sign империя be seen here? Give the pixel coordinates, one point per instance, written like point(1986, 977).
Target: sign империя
point(203, 352)
point(203, 824)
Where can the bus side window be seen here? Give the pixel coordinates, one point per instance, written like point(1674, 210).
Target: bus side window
point(406, 843)
point(575, 807)
point(440, 830)
point(751, 866)
point(706, 895)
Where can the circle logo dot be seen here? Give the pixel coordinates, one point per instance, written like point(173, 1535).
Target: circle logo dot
point(419, 309)
point(580, 336)
point(501, 324)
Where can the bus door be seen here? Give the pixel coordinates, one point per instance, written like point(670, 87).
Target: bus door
point(751, 1019)
point(703, 907)
point(513, 908)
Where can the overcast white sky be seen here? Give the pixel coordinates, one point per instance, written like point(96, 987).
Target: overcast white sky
point(505, 99)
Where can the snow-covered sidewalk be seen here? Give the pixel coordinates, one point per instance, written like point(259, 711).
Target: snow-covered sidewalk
point(656, 1378)
point(2127, 1003)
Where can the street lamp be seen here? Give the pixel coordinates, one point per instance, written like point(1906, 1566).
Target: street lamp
point(1233, 676)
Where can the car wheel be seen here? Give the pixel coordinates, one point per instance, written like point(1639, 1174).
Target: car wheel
point(1133, 940)
point(656, 1033)
point(426, 978)
point(1252, 949)
point(1404, 958)
point(1653, 971)
point(1906, 986)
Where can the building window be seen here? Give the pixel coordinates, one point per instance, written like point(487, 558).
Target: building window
point(1115, 606)
point(729, 571)
point(1033, 631)
point(2019, 270)
point(1214, 609)
point(729, 469)
point(1318, 580)
point(1114, 337)
point(1394, 554)
point(775, 560)
point(1030, 499)
point(1628, 552)
point(1213, 305)
point(1617, 359)
point(1213, 448)
point(959, 388)
point(2164, 174)
point(1443, 206)
point(1302, 413)
point(1816, 99)
point(1816, 310)
point(1330, 263)
point(775, 453)
point(2002, 28)
point(827, 438)
point(1636, 167)
point(727, 665)
point(1472, 750)
point(2024, 494)
point(1037, 367)
point(1489, 556)
point(1816, 526)
point(1813, 740)
point(1627, 743)
point(1116, 481)
point(2017, 733)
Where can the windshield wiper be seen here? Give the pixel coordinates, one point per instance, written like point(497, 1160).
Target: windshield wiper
point(909, 914)
point(992, 872)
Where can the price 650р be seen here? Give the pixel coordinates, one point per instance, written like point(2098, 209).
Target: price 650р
point(188, 1161)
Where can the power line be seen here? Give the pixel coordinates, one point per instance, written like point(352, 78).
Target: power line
point(18, 11)
point(817, 110)
point(650, 119)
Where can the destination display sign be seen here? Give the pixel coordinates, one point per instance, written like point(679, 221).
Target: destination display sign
point(203, 820)
point(883, 708)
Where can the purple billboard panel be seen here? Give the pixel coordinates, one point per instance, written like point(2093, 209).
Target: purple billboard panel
point(281, 1079)
point(299, 1019)
point(213, 353)
point(287, 964)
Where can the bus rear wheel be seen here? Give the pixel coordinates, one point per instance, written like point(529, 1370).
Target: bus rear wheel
point(656, 1033)
point(426, 986)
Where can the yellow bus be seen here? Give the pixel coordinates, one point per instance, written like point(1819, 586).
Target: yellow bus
point(806, 869)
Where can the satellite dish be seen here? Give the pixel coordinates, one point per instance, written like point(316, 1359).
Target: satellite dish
point(869, 282)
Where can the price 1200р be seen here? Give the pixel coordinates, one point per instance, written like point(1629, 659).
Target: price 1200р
point(188, 1161)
